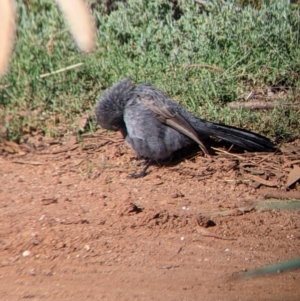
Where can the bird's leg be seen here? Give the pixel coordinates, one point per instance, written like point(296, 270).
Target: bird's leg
point(143, 172)
point(123, 132)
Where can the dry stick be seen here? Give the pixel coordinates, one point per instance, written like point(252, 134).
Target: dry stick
point(279, 194)
point(207, 233)
point(234, 155)
point(227, 153)
point(291, 163)
point(204, 66)
point(268, 156)
point(261, 105)
point(202, 2)
point(61, 70)
point(27, 162)
point(4, 86)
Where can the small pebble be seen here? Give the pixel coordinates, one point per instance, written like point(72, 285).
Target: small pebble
point(86, 247)
point(26, 253)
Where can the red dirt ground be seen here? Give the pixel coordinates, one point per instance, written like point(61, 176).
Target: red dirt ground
point(74, 226)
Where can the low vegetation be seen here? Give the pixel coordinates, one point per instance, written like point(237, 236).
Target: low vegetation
point(205, 57)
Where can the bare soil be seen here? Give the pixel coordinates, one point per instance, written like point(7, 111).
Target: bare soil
point(74, 226)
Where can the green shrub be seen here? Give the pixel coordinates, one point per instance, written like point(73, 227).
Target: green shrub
point(235, 50)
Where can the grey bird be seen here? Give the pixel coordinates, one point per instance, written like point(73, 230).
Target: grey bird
point(155, 126)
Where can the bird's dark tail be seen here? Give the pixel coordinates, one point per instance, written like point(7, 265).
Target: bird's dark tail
point(242, 138)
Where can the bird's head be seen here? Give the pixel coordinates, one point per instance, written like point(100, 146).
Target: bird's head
point(110, 107)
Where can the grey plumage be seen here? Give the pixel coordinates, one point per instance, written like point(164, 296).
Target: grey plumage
point(155, 126)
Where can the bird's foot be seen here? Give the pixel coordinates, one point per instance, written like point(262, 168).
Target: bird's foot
point(137, 175)
point(143, 172)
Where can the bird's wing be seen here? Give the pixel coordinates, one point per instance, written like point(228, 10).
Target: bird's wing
point(168, 116)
